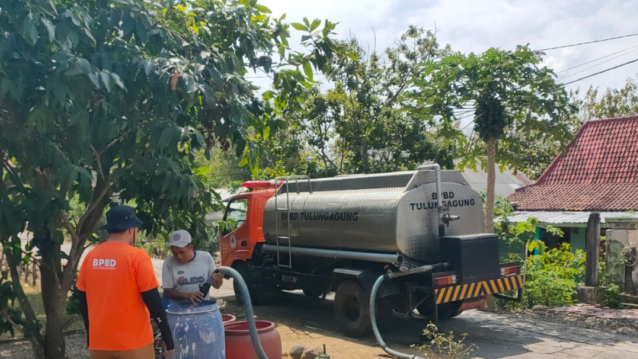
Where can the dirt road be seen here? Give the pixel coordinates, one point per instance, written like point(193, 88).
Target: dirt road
point(311, 321)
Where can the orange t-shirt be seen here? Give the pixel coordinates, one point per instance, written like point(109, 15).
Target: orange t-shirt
point(113, 275)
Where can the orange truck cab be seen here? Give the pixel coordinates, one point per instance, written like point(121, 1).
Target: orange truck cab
point(247, 211)
point(423, 228)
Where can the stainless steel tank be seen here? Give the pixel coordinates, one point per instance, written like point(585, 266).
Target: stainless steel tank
point(384, 213)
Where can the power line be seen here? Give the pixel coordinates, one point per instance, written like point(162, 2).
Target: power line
point(588, 42)
point(594, 60)
point(600, 72)
point(591, 67)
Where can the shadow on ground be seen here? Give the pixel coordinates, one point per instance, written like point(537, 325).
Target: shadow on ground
point(496, 335)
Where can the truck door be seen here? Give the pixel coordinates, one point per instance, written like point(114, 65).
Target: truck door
point(235, 236)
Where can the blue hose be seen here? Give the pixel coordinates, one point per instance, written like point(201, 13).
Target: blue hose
point(248, 308)
point(373, 304)
point(375, 328)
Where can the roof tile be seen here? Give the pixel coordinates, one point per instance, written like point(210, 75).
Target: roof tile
point(598, 172)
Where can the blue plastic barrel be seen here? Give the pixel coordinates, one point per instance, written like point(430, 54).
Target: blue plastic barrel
point(198, 331)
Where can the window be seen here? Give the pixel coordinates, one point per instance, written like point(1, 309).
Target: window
point(236, 213)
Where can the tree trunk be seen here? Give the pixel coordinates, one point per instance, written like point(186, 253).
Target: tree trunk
point(32, 326)
point(491, 182)
point(53, 297)
point(592, 247)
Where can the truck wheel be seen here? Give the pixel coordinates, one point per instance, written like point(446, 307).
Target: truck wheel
point(446, 311)
point(352, 309)
point(243, 269)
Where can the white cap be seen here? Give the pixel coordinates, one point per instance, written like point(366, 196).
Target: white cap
point(180, 238)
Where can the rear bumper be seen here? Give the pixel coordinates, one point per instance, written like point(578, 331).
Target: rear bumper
point(480, 289)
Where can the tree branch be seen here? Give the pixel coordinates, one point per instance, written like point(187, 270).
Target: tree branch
point(15, 178)
point(25, 305)
point(13, 324)
point(114, 142)
point(101, 189)
point(69, 227)
point(97, 159)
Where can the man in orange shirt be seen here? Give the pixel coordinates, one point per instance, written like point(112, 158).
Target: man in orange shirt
point(118, 292)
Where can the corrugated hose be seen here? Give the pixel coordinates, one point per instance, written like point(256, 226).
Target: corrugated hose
point(248, 308)
point(373, 306)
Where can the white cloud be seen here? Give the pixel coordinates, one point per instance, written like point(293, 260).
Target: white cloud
point(474, 26)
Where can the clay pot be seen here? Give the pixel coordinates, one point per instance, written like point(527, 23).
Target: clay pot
point(239, 345)
point(228, 318)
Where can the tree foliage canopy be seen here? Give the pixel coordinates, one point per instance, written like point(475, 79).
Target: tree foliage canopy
point(102, 97)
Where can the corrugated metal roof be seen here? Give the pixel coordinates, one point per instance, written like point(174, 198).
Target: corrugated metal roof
point(506, 182)
point(570, 218)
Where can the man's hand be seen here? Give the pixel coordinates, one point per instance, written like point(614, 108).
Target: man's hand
point(168, 353)
point(218, 279)
point(195, 297)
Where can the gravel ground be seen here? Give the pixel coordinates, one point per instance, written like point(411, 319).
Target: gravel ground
point(605, 320)
point(75, 348)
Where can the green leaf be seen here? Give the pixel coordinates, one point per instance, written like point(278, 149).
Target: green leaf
point(4, 87)
point(118, 80)
point(306, 37)
point(85, 66)
point(240, 146)
point(298, 26)
point(50, 28)
point(38, 119)
point(353, 56)
point(307, 69)
point(167, 135)
point(30, 28)
point(106, 80)
point(263, 9)
point(315, 24)
point(89, 35)
point(60, 90)
point(243, 162)
point(191, 85)
point(94, 79)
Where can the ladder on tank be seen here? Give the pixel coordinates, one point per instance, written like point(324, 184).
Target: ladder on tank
point(287, 237)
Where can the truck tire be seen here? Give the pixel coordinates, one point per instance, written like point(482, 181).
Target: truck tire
point(352, 309)
point(446, 311)
point(244, 270)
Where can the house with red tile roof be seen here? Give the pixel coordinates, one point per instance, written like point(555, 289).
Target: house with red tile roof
point(597, 173)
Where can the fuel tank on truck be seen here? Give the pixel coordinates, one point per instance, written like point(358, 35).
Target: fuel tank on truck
point(383, 213)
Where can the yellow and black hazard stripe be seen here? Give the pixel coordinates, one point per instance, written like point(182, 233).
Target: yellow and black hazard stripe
point(479, 289)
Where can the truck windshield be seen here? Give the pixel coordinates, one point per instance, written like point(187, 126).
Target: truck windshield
point(236, 213)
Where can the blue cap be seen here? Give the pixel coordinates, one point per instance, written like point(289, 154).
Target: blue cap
point(121, 218)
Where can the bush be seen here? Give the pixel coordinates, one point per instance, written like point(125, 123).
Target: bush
point(444, 346)
point(612, 297)
point(551, 278)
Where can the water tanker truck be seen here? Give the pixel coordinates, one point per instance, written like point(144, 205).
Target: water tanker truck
point(340, 234)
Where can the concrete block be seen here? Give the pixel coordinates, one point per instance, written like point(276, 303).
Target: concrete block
point(588, 295)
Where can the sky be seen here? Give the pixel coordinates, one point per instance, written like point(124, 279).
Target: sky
point(476, 25)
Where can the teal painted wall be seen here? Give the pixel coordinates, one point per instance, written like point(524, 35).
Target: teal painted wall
point(578, 239)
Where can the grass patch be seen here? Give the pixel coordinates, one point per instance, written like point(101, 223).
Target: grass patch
point(35, 298)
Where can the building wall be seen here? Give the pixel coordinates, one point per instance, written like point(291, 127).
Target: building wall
point(617, 240)
point(577, 240)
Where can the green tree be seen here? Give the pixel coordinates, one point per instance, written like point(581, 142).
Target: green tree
point(359, 126)
point(100, 97)
point(611, 103)
point(538, 149)
point(509, 94)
